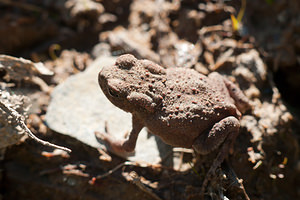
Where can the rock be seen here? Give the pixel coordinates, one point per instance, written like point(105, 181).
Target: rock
point(10, 132)
point(78, 108)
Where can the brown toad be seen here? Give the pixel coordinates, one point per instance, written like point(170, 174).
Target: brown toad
point(181, 106)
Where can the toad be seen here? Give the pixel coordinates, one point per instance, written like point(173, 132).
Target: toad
point(181, 106)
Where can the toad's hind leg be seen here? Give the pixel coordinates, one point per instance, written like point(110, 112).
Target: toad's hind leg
point(241, 101)
point(225, 131)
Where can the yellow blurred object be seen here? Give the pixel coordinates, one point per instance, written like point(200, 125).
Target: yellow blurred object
point(52, 49)
point(285, 160)
point(236, 21)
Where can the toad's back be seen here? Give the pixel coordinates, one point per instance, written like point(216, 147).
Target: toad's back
point(192, 103)
point(194, 92)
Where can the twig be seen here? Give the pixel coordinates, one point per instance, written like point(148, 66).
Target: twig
point(19, 119)
point(129, 163)
point(208, 29)
point(135, 179)
point(110, 171)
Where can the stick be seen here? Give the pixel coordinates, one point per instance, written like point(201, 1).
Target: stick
point(19, 119)
point(135, 179)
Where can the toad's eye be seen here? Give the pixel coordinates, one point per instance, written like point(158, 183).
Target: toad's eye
point(112, 92)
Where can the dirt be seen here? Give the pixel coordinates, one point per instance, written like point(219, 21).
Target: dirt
point(262, 56)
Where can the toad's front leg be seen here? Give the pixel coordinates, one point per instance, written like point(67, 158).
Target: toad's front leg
point(225, 131)
point(123, 145)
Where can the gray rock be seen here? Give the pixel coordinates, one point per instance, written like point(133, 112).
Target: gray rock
point(78, 108)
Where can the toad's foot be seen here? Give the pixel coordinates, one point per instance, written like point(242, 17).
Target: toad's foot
point(114, 144)
point(225, 131)
point(122, 145)
point(217, 162)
